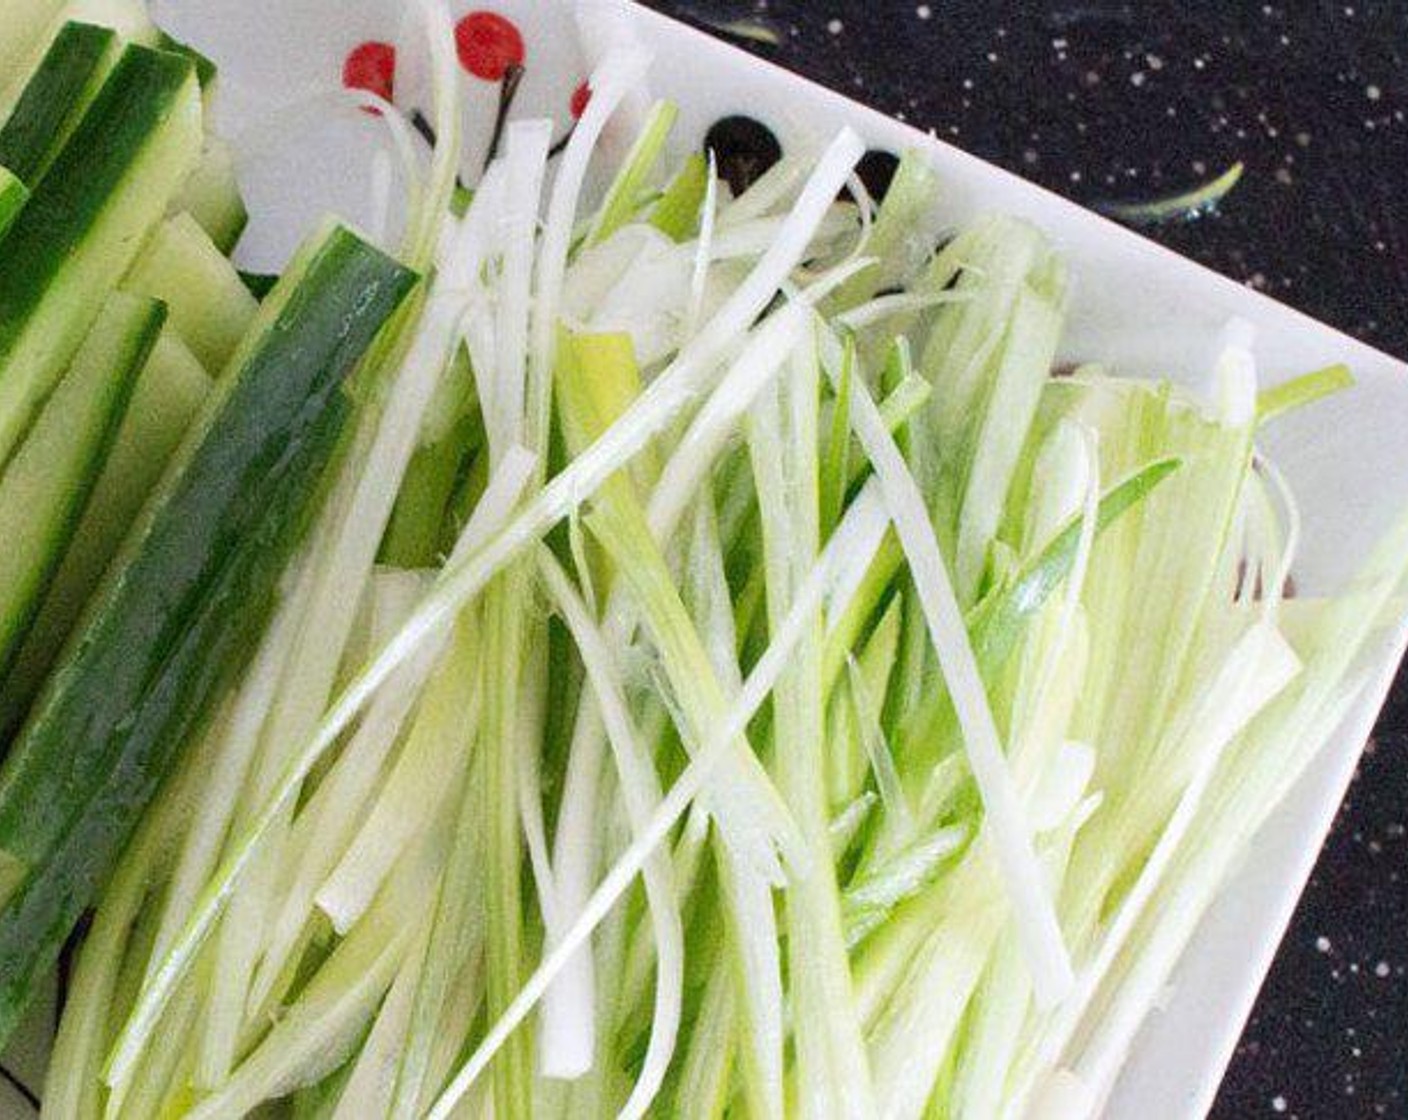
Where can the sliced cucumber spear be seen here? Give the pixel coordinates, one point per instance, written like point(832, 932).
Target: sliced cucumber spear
point(211, 195)
point(169, 393)
point(186, 599)
point(55, 97)
point(206, 70)
point(129, 18)
point(85, 222)
point(44, 487)
point(211, 309)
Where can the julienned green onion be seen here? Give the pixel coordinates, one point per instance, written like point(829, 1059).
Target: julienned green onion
point(723, 672)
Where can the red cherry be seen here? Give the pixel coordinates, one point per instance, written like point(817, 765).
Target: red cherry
point(372, 67)
point(488, 45)
point(581, 96)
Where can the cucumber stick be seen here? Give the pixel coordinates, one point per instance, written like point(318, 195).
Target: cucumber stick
point(12, 199)
point(210, 307)
point(44, 487)
point(169, 393)
point(211, 195)
point(84, 223)
point(185, 601)
point(55, 97)
point(206, 70)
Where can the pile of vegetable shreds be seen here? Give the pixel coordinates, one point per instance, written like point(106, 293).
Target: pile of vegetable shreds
point(677, 655)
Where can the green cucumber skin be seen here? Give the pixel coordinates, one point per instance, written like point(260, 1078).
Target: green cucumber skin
point(54, 98)
point(13, 196)
point(44, 512)
point(177, 619)
point(259, 284)
point(206, 70)
point(37, 920)
point(63, 255)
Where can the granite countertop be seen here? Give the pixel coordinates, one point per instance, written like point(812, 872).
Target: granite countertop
point(1111, 101)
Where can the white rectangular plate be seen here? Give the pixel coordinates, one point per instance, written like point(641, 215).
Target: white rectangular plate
point(1136, 307)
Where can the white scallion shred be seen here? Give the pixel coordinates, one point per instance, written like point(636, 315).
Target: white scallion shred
point(1040, 931)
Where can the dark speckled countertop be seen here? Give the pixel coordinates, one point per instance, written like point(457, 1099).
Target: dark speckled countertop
point(1105, 101)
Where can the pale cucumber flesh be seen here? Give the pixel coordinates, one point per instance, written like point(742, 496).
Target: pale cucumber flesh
point(211, 309)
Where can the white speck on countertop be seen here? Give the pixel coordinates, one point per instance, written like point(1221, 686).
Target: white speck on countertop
point(1323, 943)
point(835, 26)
